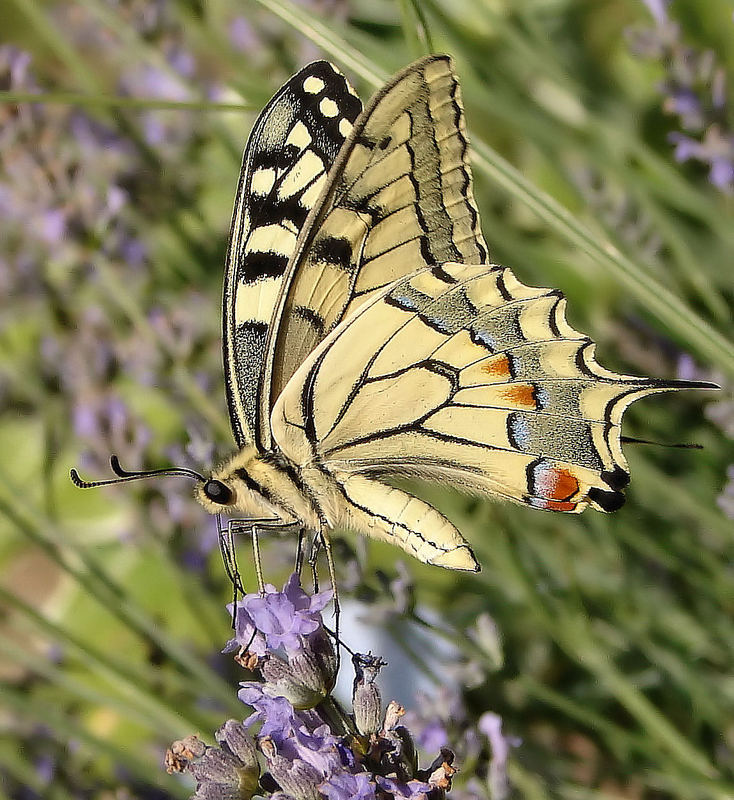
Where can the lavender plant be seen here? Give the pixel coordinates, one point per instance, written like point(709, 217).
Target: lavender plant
point(306, 746)
point(695, 92)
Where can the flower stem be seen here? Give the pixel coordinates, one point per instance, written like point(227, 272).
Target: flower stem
point(338, 719)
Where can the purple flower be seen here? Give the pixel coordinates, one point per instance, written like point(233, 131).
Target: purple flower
point(277, 619)
point(408, 790)
point(721, 174)
point(440, 718)
point(293, 733)
point(695, 91)
point(316, 751)
point(284, 617)
point(320, 748)
point(53, 226)
point(345, 786)
point(433, 736)
point(683, 102)
point(246, 635)
point(275, 713)
point(659, 9)
point(491, 726)
point(242, 35)
point(46, 769)
point(685, 147)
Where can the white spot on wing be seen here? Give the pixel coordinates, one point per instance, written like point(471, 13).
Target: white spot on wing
point(328, 107)
point(345, 127)
point(262, 180)
point(255, 301)
point(299, 136)
point(313, 85)
point(272, 239)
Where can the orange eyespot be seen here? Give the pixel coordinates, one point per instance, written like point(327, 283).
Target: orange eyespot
point(560, 484)
point(552, 487)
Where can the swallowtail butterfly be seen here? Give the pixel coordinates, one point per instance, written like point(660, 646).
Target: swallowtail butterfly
point(368, 336)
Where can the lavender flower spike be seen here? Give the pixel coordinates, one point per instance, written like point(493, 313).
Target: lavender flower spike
point(282, 634)
point(695, 92)
point(308, 746)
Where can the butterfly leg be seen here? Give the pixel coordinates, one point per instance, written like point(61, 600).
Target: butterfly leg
point(332, 570)
point(321, 539)
point(313, 560)
point(229, 558)
point(332, 578)
point(257, 561)
point(225, 551)
point(298, 566)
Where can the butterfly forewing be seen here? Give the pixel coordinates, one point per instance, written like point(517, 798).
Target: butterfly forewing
point(399, 197)
point(463, 374)
point(291, 149)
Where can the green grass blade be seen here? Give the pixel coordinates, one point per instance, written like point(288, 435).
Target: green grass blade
point(415, 28)
point(66, 729)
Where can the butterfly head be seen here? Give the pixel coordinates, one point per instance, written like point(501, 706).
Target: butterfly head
point(242, 485)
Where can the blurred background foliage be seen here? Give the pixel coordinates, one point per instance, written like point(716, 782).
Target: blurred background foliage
point(604, 167)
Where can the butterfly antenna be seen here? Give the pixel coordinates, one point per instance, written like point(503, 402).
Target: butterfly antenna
point(124, 475)
point(679, 445)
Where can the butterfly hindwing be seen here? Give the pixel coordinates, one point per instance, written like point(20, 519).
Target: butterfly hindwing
point(290, 151)
point(462, 374)
point(399, 197)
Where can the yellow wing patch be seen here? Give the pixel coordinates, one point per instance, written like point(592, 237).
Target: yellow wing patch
point(398, 197)
point(462, 373)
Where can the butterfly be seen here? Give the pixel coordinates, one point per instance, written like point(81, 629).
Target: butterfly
point(367, 336)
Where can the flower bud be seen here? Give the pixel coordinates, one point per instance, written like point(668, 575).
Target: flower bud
point(305, 676)
point(298, 679)
point(366, 700)
point(320, 645)
point(228, 772)
point(233, 736)
point(296, 778)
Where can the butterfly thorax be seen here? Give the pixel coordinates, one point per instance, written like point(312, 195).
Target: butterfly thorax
point(261, 486)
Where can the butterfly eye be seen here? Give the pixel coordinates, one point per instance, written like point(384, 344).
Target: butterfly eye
point(218, 492)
